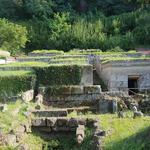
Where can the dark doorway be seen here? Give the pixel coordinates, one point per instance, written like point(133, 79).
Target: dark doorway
point(133, 84)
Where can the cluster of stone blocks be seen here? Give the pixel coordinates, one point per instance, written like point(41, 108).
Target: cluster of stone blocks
point(77, 125)
point(58, 123)
point(71, 96)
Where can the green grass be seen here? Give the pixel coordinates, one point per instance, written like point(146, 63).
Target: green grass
point(11, 118)
point(26, 64)
point(99, 52)
point(123, 133)
point(113, 59)
point(127, 133)
point(15, 73)
point(48, 51)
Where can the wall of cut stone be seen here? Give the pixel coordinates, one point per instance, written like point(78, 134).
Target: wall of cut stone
point(116, 77)
point(144, 81)
point(87, 75)
point(71, 96)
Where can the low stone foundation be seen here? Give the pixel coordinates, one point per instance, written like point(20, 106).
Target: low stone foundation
point(71, 96)
point(58, 125)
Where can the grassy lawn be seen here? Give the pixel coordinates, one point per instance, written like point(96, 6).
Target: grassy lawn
point(126, 133)
point(122, 134)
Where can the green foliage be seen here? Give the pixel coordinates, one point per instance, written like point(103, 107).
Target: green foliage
point(80, 24)
point(25, 64)
point(12, 36)
point(15, 82)
point(59, 75)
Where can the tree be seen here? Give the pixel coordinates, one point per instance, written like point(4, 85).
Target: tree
point(12, 36)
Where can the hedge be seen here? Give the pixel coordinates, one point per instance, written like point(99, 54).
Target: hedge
point(59, 75)
point(15, 82)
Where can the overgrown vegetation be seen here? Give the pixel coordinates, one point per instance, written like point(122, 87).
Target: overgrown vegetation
point(13, 37)
point(15, 82)
point(75, 24)
point(59, 74)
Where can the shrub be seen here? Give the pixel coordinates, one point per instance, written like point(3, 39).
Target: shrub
point(59, 75)
point(15, 82)
point(142, 34)
point(12, 36)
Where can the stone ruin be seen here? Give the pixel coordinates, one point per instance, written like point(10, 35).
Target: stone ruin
point(55, 103)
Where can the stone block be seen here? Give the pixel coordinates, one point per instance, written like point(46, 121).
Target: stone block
point(64, 90)
point(39, 99)
point(105, 106)
point(62, 129)
point(28, 96)
point(92, 89)
point(23, 147)
point(10, 139)
point(138, 114)
point(4, 53)
point(51, 113)
point(38, 122)
point(62, 122)
point(90, 122)
point(27, 126)
point(82, 121)
point(77, 90)
point(51, 121)
point(73, 122)
point(3, 107)
point(45, 129)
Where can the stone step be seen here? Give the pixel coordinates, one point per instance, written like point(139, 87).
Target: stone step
point(51, 113)
point(81, 109)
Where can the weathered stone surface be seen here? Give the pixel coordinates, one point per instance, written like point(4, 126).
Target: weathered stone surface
point(28, 96)
point(93, 89)
point(27, 126)
point(10, 139)
point(90, 122)
point(39, 99)
point(82, 121)
point(77, 90)
point(45, 129)
point(80, 131)
point(23, 147)
point(3, 107)
point(4, 53)
point(51, 121)
point(38, 122)
point(19, 132)
point(73, 122)
point(38, 107)
point(114, 106)
point(62, 122)
point(51, 113)
point(64, 129)
point(121, 114)
point(79, 139)
point(138, 114)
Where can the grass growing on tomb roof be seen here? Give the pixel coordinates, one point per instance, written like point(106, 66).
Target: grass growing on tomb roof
point(48, 51)
point(26, 64)
point(15, 73)
point(125, 59)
